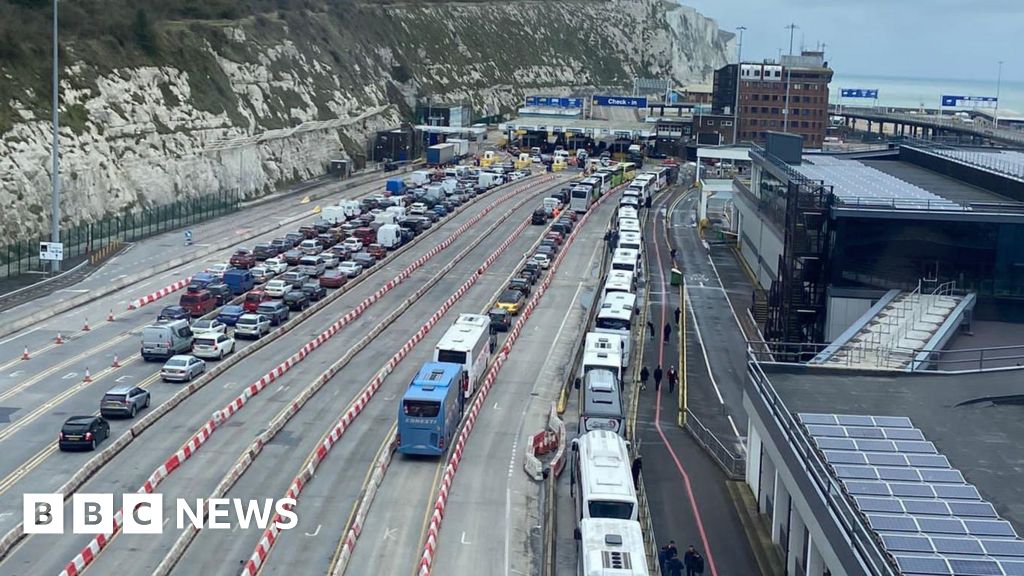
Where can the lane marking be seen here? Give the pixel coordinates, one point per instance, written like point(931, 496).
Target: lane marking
point(390, 533)
point(315, 532)
point(704, 350)
point(464, 539)
point(13, 338)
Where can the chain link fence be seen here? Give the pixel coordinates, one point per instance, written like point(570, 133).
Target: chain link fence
point(81, 240)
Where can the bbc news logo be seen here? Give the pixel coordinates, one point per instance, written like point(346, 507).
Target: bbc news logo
point(144, 513)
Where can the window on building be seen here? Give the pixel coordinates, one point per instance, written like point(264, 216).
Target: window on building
point(778, 73)
point(726, 122)
point(773, 123)
point(804, 124)
point(775, 110)
point(709, 122)
point(764, 110)
point(775, 97)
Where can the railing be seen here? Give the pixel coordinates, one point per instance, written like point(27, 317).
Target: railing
point(948, 122)
point(647, 528)
point(827, 488)
point(851, 355)
point(734, 466)
point(974, 359)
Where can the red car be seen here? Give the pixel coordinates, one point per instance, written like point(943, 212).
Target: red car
point(333, 279)
point(377, 251)
point(366, 235)
point(555, 236)
point(243, 258)
point(253, 299)
point(308, 231)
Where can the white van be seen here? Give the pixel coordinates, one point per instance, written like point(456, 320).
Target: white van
point(387, 217)
point(421, 177)
point(389, 236)
point(549, 205)
point(601, 480)
point(352, 208)
point(398, 211)
point(490, 179)
point(333, 214)
point(629, 225)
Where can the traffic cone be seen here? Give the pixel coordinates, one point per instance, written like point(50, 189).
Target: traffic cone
point(24, 355)
point(58, 340)
point(86, 327)
point(110, 316)
point(116, 364)
point(88, 377)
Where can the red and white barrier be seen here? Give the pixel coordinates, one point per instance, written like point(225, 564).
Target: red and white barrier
point(158, 294)
point(270, 535)
point(86, 556)
point(551, 438)
point(430, 546)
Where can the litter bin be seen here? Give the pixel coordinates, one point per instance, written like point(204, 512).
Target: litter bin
point(677, 277)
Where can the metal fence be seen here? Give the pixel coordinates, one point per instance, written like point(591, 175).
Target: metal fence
point(734, 466)
point(83, 239)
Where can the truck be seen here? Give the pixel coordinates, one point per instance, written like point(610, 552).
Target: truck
point(434, 193)
point(440, 154)
point(389, 236)
point(461, 146)
point(396, 186)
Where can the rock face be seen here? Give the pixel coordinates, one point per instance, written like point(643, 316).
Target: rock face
point(252, 104)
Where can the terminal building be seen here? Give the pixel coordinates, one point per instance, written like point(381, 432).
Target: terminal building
point(883, 438)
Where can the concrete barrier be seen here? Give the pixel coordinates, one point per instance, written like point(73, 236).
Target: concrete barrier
point(543, 442)
point(380, 468)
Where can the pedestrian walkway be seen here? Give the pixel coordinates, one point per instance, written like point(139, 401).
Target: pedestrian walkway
point(690, 502)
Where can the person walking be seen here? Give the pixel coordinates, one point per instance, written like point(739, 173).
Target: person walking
point(673, 254)
point(663, 559)
point(650, 327)
point(638, 466)
point(693, 562)
point(673, 567)
point(644, 374)
point(668, 332)
point(657, 378)
point(678, 314)
point(673, 552)
point(673, 378)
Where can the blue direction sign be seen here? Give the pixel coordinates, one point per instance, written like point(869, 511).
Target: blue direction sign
point(859, 93)
point(954, 101)
point(621, 101)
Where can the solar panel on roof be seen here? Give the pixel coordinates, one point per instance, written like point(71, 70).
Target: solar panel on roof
point(906, 543)
point(958, 546)
point(903, 433)
point(892, 523)
point(858, 472)
point(911, 490)
point(928, 460)
point(1011, 568)
point(935, 525)
point(871, 504)
point(832, 431)
point(923, 565)
point(956, 491)
point(891, 473)
point(968, 567)
point(876, 445)
point(869, 488)
point(990, 528)
point(995, 547)
point(930, 507)
point(915, 447)
point(863, 432)
point(893, 421)
point(943, 476)
point(844, 457)
point(855, 420)
point(835, 443)
point(886, 459)
point(817, 418)
point(972, 509)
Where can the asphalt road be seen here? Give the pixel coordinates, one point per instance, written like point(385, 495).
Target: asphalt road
point(391, 539)
point(130, 468)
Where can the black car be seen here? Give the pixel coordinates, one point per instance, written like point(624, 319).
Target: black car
point(521, 284)
point(501, 320)
point(264, 251)
point(83, 432)
point(364, 259)
point(173, 313)
point(321, 226)
point(276, 311)
point(295, 237)
point(296, 300)
point(282, 244)
point(561, 227)
point(550, 244)
point(221, 292)
point(539, 217)
point(532, 270)
point(314, 290)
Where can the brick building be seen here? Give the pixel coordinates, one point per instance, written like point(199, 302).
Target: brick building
point(762, 97)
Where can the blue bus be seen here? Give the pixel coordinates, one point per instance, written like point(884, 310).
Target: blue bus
point(431, 409)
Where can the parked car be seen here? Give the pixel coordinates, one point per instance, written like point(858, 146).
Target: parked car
point(198, 303)
point(124, 400)
point(333, 279)
point(353, 244)
point(542, 260)
point(83, 432)
point(377, 251)
point(530, 274)
point(277, 265)
point(276, 311)
point(209, 327)
point(539, 217)
point(262, 274)
point(364, 259)
point(511, 301)
point(521, 284)
point(549, 243)
point(314, 291)
point(282, 244)
point(295, 237)
point(311, 247)
point(277, 288)
point(296, 300)
point(221, 293)
point(173, 313)
point(182, 368)
point(218, 269)
point(350, 268)
point(215, 346)
point(230, 314)
point(331, 260)
point(254, 298)
point(296, 279)
point(263, 251)
point(252, 326)
point(293, 256)
point(242, 258)
point(501, 320)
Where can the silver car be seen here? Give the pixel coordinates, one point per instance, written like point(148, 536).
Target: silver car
point(182, 368)
point(124, 400)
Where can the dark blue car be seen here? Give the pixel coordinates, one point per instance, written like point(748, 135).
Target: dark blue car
point(440, 210)
point(230, 314)
point(173, 313)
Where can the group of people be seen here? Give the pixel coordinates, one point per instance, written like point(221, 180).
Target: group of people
point(673, 378)
point(671, 565)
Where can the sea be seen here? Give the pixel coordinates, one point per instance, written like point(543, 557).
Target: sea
point(927, 92)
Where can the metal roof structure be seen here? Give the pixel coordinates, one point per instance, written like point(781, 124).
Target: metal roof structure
point(856, 183)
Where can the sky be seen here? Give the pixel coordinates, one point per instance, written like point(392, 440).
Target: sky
point(962, 39)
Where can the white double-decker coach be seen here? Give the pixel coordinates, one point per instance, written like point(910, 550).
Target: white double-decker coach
point(468, 343)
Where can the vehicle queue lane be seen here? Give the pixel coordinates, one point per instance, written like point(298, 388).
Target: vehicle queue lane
point(392, 535)
point(144, 254)
point(493, 505)
point(55, 470)
point(325, 502)
point(129, 469)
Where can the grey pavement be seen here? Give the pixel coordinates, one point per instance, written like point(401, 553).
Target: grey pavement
point(687, 492)
point(130, 468)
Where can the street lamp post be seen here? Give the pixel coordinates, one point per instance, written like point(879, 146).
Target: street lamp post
point(55, 151)
point(736, 107)
point(999, 81)
point(785, 115)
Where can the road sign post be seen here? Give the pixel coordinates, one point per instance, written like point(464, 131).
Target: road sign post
point(52, 251)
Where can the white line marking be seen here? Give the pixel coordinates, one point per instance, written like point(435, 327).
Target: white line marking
point(74, 290)
point(704, 350)
point(16, 373)
point(315, 532)
point(736, 430)
point(12, 338)
point(731, 309)
point(495, 405)
point(390, 533)
point(122, 378)
point(144, 284)
point(464, 539)
point(69, 375)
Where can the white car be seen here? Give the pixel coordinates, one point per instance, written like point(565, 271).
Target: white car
point(214, 346)
point(218, 269)
point(277, 288)
point(252, 326)
point(418, 209)
point(331, 260)
point(353, 244)
point(350, 268)
point(182, 368)
point(542, 260)
point(261, 274)
point(277, 265)
point(202, 327)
